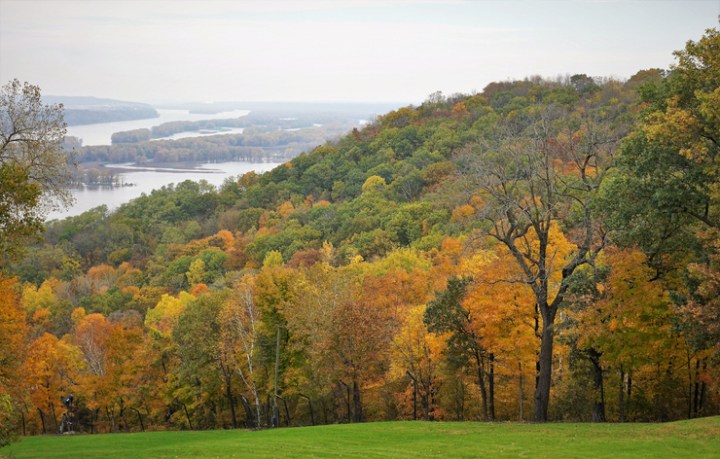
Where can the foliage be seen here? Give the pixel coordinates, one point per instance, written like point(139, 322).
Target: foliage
point(34, 170)
point(441, 263)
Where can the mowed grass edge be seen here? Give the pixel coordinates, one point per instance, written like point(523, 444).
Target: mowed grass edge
point(698, 438)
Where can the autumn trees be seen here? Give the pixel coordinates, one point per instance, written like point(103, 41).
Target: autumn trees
point(669, 165)
point(542, 165)
point(13, 333)
point(544, 245)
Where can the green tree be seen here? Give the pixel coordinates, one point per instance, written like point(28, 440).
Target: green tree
point(446, 314)
point(34, 169)
point(666, 185)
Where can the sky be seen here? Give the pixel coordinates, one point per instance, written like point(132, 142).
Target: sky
point(334, 50)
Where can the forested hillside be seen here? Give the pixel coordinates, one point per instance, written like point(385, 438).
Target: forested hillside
point(541, 250)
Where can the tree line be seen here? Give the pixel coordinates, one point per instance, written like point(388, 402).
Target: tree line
point(542, 250)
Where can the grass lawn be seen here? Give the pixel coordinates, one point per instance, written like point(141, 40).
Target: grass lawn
point(698, 438)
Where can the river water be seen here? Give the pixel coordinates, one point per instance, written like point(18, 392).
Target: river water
point(100, 133)
point(144, 181)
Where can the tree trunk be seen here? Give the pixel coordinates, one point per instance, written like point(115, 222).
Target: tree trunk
point(538, 333)
point(124, 425)
point(287, 411)
point(693, 412)
point(42, 420)
point(269, 411)
point(460, 401)
point(110, 416)
point(93, 419)
point(522, 392)
point(324, 407)
point(357, 402)
point(621, 395)
point(703, 393)
point(415, 391)
point(54, 417)
point(481, 382)
point(228, 395)
point(187, 415)
point(142, 426)
point(426, 401)
point(544, 368)
point(598, 410)
point(249, 414)
point(312, 413)
point(491, 384)
point(347, 401)
point(276, 412)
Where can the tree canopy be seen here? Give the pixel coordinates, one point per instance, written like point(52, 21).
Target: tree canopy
point(34, 168)
point(543, 246)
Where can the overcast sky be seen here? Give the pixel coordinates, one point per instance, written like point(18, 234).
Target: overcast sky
point(341, 50)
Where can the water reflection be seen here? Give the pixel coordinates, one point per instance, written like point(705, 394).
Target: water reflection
point(144, 181)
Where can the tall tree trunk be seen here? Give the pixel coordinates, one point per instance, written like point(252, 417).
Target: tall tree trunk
point(109, 413)
point(664, 402)
point(538, 334)
point(94, 419)
point(703, 392)
point(288, 420)
point(268, 411)
point(426, 400)
point(249, 414)
point(187, 415)
point(347, 401)
point(142, 425)
point(54, 417)
point(522, 392)
point(229, 396)
point(544, 367)
point(42, 420)
point(598, 410)
point(460, 401)
point(479, 361)
point(357, 402)
point(324, 407)
point(312, 413)
point(123, 424)
point(621, 395)
point(693, 412)
point(415, 391)
point(287, 411)
point(276, 412)
point(491, 384)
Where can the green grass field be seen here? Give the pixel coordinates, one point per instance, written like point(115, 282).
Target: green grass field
point(699, 438)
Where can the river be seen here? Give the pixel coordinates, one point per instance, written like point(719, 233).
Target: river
point(100, 133)
point(144, 181)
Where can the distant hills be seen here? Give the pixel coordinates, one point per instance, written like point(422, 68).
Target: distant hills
point(92, 110)
point(286, 107)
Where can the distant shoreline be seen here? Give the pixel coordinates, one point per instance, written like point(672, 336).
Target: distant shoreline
point(169, 167)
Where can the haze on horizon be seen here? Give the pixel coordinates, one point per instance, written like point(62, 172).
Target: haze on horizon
point(345, 50)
